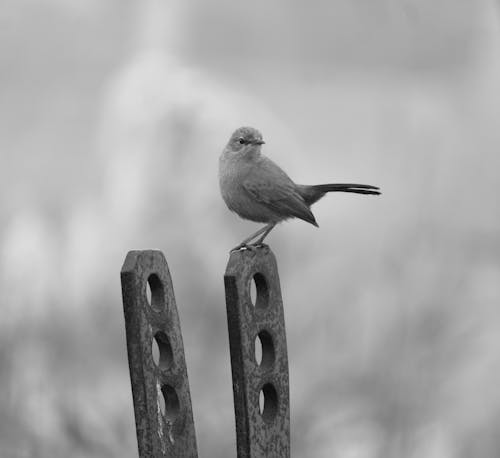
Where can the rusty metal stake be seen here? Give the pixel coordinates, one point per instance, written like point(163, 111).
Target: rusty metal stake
point(259, 360)
point(160, 386)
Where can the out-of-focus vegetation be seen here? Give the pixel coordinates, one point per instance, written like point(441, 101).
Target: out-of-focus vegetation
point(112, 117)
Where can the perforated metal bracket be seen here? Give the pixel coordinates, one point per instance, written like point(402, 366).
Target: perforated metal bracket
point(259, 360)
point(160, 386)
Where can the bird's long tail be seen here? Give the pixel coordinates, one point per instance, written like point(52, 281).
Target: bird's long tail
point(313, 193)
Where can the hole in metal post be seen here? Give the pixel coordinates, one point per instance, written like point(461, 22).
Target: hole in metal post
point(264, 350)
point(154, 292)
point(268, 402)
point(253, 292)
point(169, 403)
point(155, 350)
point(161, 402)
point(163, 355)
point(259, 292)
point(258, 351)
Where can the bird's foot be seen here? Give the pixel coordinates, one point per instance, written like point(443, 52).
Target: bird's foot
point(249, 247)
point(241, 246)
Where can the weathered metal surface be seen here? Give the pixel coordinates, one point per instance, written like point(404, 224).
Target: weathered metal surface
point(259, 432)
point(160, 386)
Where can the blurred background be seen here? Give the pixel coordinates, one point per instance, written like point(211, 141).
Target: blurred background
point(112, 116)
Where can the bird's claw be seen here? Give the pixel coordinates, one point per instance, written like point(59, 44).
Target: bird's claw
point(249, 247)
point(244, 246)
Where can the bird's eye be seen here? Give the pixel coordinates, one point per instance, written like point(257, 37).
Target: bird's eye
point(241, 140)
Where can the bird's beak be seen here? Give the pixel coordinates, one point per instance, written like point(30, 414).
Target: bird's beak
point(258, 142)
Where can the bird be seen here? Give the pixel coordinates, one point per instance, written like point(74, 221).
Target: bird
point(257, 189)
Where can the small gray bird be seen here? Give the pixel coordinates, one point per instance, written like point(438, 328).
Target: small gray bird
point(255, 188)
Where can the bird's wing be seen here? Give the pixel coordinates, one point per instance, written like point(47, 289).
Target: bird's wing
point(272, 187)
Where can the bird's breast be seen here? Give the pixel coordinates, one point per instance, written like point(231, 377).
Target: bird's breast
point(232, 174)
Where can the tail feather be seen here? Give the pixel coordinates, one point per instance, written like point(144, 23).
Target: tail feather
point(312, 194)
point(346, 187)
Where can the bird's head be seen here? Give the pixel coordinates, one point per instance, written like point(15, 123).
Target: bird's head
point(245, 139)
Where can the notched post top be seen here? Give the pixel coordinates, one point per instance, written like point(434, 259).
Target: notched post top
point(160, 386)
point(259, 360)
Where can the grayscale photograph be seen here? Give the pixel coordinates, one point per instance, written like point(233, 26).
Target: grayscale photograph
point(249, 229)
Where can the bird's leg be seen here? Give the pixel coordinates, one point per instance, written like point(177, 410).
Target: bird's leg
point(266, 229)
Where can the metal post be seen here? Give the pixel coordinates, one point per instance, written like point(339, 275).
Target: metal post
point(160, 386)
point(259, 360)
